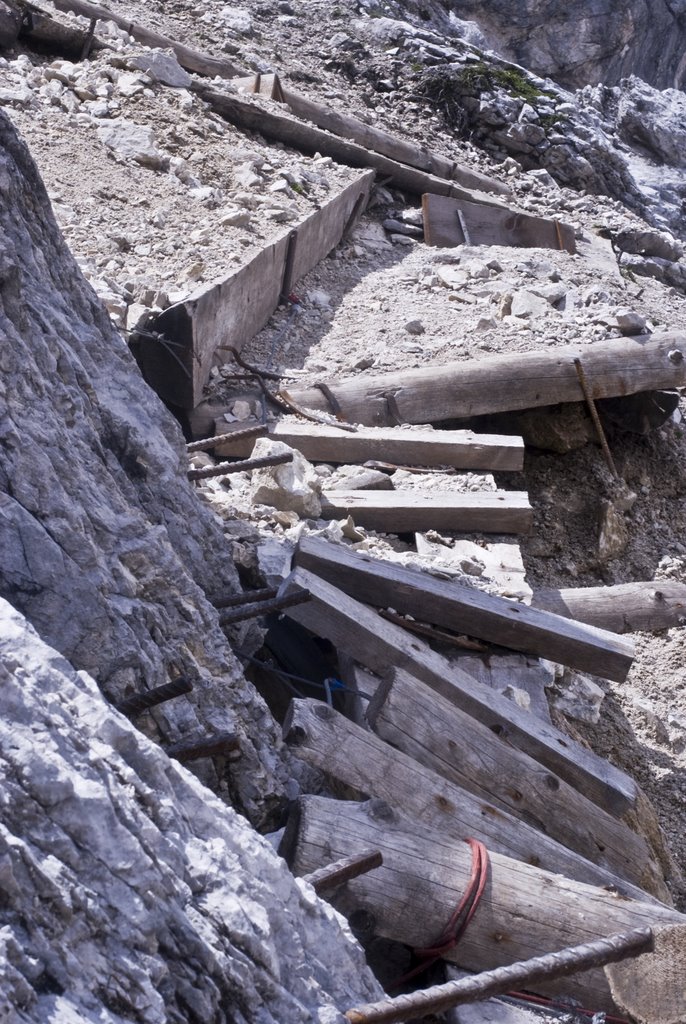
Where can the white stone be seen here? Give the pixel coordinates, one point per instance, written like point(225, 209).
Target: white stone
point(129, 141)
point(163, 67)
point(292, 487)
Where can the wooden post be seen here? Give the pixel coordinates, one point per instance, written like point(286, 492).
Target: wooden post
point(464, 610)
point(524, 911)
point(625, 608)
point(652, 988)
point(365, 636)
point(505, 383)
point(327, 740)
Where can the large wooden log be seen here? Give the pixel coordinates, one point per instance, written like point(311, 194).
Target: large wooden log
point(436, 734)
point(464, 610)
point(189, 58)
point(505, 383)
point(327, 740)
point(251, 115)
point(524, 911)
point(363, 634)
point(625, 608)
point(462, 449)
point(407, 511)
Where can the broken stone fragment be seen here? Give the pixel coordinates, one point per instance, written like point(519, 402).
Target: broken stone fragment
point(577, 696)
point(293, 487)
point(357, 478)
point(613, 535)
point(163, 67)
point(129, 141)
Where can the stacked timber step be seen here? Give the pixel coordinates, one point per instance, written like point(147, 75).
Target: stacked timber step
point(441, 758)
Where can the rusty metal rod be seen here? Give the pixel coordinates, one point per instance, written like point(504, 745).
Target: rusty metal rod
point(288, 264)
point(244, 466)
point(333, 875)
point(251, 611)
point(249, 597)
point(212, 442)
point(504, 979)
point(214, 746)
point(151, 698)
point(595, 417)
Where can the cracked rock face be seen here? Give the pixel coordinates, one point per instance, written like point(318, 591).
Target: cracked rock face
point(128, 891)
point(103, 544)
point(589, 42)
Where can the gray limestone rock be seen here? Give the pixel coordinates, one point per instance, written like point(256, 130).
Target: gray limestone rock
point(129, 141)
point(104, 545)
point(130, 892)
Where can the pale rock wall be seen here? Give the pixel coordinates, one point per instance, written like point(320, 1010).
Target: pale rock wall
point(103, 544)
point(128, 892)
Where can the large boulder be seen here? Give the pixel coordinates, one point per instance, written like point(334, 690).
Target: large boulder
point(104, 546)
point(130, 892)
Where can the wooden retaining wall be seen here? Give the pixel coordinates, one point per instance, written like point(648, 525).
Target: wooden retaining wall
point(234, 309)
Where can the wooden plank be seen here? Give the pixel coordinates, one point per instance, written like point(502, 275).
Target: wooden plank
point(625, 608)
point(328, 741)
point(464, 610)
point(524, 911)
point(232, 310)
point(447, 741)
point(462, 449)
point(407, 511)
point(505, 383)
point(193, 60)
point(449, 222)
point(362, 633)
point(249, 114)
point(397, 149)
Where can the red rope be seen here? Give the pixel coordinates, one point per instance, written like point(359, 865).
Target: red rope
point(460, 918)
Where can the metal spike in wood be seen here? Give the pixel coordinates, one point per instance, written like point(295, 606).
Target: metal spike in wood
point(212, 746)
point(251, 611)
point(333, 875)
point(139, 702)
point(504, 979)
point(244, 466)
point(234, 435)
point(247, 597)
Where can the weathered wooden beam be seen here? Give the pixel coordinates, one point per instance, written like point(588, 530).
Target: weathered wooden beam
point(505, 383)
point(189, 58)
point(250, 115)
point(625, 608)
point(378, 141)
point(454, 806)
point(228, 312)
point(525, 974)
point(465, 610)
point(450, 222)
point(407, 511)
point(524, 911)
point(462, 449)
point(651, 989)
point(357, 630)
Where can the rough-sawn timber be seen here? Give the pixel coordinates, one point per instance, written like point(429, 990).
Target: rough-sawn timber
point(465, 610)
point(362, 633)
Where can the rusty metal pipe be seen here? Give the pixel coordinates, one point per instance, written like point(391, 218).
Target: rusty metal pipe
point(139, 702)
point(244, 466)
point(340, 871)
point(251, 611)
point(235, 435)
point(215, 746)
point(249, 597)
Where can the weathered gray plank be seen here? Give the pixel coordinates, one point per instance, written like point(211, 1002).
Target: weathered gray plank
point(444, 739)
point(505, 383)
point(462, 449)
point(464, 610)
point(407, 511)
point(449, 222)
point(328, 741)
point(231, 311)
point(354, 628)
